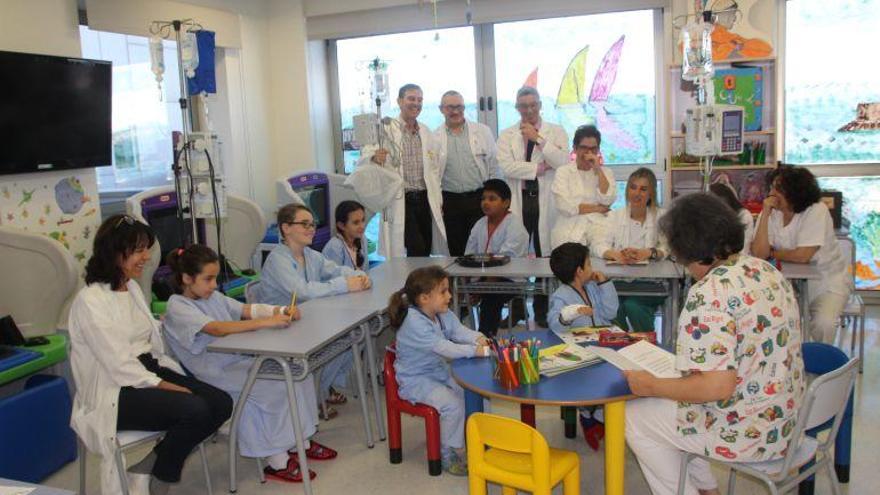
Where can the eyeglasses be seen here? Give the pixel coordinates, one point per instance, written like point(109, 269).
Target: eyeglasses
point(527, 106)
point(588, 149)
point(124, 218)
point(453, 108)
point(304, 224)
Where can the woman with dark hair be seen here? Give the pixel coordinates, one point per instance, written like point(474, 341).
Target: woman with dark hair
point(796, 226)
point(739, 352)
point(631, 236)
point(124, 378)
point(728, 195)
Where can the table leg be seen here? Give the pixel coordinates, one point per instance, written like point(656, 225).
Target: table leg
point(804, 307)
point(359, 377)
point(675, 307)
point(527, 414)
point(455, 308)
point(374, 377)
point(297, 426)
point(615, 448)
point(236, 418)
point(569, 414)
point(473, 403)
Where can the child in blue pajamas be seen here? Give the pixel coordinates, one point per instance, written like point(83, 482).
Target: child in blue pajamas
point(429, 334)
point(586, 298)
point(294, 268)
point(197, 315)
point(347, 247)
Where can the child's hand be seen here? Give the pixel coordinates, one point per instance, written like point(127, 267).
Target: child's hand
point(293, 313)
point(585, 311)
point(483, 351)
point(278, 321)
point(482, 340)
point(358, 283)
point(598, 277)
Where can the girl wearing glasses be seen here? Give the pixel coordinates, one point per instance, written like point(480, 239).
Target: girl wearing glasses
point(294, 268)
point(124, 378)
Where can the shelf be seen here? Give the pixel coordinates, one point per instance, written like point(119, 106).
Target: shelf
point(675, 168)
point(768, 132)
point(737, 61)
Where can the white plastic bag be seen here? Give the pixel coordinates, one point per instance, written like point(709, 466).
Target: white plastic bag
point(376, 187)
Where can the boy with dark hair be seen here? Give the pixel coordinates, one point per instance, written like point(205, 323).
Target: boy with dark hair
point(500, 231)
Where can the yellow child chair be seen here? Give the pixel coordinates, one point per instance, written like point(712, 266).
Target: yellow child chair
point(517, 457)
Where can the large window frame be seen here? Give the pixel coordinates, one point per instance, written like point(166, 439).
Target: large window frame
point(484, 58)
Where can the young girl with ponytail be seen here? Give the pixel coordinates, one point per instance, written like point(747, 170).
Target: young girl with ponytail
point(428, 335)
point(198, 315)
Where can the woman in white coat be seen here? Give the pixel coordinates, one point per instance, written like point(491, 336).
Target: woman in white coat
point(124, 378)
point(632, 236)
point(393, 236)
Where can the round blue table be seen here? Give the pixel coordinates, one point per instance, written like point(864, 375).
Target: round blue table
point(599, 384)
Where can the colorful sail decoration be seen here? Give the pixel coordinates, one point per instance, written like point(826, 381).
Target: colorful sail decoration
point(532, 79)
point(573, 88)
point(603, 82)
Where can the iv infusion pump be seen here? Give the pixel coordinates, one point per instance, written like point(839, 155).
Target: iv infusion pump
point(714, 130)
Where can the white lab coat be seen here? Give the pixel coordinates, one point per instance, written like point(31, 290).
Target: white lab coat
point(103, 360)
point(573, 187)
point(511, 157)
point(617, 233)
point(391, 241)
point(482, 148)
point(748, 221)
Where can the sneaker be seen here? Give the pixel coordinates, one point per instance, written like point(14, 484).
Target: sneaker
point(455, 465)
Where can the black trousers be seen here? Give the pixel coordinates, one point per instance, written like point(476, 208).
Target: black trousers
point(188, 419)
point(417, 229)
point(531, 212)
point(460, 212)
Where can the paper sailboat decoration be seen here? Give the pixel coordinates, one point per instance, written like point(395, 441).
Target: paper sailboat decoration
point(867, 119)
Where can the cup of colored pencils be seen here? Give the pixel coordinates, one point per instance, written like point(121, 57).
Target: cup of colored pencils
point(506, 363)
point(528, 362)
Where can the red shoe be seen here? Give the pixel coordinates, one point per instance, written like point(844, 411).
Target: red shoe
point(291, 474)
point(316, 452)
point(594, 432)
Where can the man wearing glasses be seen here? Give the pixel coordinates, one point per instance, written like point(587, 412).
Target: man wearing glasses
point(466, 158)
point(529, 152)
point(415, 219)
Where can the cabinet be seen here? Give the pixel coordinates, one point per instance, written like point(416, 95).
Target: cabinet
point(750, 83)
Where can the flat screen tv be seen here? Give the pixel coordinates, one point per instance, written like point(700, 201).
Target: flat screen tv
point(55, 113)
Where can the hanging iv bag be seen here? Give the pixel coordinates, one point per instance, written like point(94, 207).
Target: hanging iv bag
point(379, 80)
point(157, 60)
point(189, 53)
point(696, 45)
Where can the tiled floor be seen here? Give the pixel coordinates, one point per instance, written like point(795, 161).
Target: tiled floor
point(359, 470)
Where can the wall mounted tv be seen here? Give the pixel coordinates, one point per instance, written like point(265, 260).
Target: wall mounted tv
point(55, 113)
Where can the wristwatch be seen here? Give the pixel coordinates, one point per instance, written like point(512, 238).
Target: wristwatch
point(654, 254)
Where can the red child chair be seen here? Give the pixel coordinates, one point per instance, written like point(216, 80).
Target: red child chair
point(395, 405)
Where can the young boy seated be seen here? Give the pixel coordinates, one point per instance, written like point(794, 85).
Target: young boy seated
point(500, 231)
point(586, 298)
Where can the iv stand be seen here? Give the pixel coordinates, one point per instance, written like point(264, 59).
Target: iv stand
point(184, 153)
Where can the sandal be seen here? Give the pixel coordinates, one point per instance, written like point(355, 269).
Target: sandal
point(316, 452)
point(336, 398)
point(594, 431)
point(291, 474)
point(328, 413)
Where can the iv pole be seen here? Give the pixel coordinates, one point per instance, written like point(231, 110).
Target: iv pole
point(163, 29)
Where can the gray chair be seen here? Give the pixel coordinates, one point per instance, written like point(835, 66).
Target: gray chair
point(853, 314)
point(824, 401)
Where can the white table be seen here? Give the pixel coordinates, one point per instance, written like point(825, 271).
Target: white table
point(665, 272)
point(37, 489)
point(296, 351)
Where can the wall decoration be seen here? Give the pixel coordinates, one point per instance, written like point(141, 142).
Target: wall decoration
point(56, 204)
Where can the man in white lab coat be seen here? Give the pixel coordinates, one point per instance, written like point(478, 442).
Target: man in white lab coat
point(528, 153)
point(413, 224)
point(466, 158)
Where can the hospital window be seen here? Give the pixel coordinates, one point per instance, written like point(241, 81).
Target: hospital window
point(832, 112)
point(143, 117)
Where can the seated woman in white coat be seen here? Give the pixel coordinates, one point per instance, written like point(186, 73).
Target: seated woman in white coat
point(124, 379)
point(295, 272)
point(347, 247)
point(197, 316)
point(584, 191)
point(795, 226)
point(727, 194)
point(631, 236)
